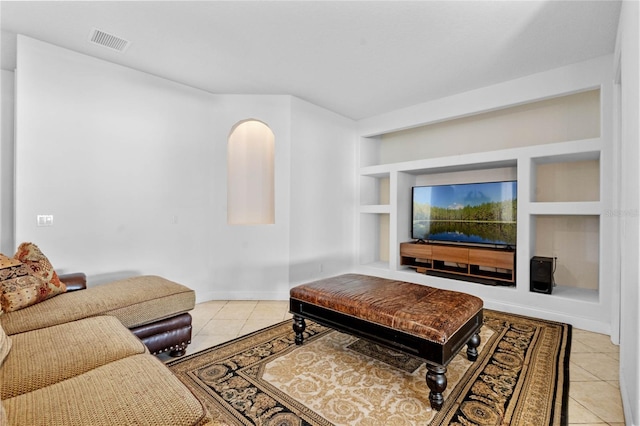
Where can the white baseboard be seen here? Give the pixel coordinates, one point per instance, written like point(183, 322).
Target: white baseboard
point(240, 295)
point(627, 404)
point(532, 311)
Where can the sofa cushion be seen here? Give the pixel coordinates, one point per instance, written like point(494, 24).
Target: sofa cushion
point(5, 346)
point(19, 287)
point(3, 415)
point(135, 390)
point(31, 255)
point(134, 301)
point(49, 355)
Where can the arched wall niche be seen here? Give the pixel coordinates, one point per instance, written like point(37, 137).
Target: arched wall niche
point(250, 174)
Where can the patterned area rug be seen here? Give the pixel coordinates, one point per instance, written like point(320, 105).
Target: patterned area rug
point(521, 377)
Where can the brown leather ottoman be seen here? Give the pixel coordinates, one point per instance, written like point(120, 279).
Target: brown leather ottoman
point(426, 322)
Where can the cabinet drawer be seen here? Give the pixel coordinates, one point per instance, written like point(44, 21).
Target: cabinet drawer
point(421, 251)
point(495, 259)
point(451, 254)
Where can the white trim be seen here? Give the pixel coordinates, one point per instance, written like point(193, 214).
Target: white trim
point(562, 81)
point(205, 296)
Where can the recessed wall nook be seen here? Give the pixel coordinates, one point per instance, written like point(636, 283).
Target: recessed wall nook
point(250, 174)
point(552, 144)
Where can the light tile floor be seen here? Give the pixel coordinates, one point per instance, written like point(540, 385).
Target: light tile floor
point(594, 392)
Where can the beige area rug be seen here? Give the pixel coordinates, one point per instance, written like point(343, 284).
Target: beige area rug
point(521, 377)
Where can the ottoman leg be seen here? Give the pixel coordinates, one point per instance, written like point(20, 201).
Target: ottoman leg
point(298, 327)
point(472, 347)
point(437, 382)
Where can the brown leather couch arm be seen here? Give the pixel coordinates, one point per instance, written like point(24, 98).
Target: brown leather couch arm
point(74, 281)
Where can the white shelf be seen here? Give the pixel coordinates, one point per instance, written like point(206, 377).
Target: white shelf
point(590, 151)
point(574, 294)
point(376, 209)
point(381, 171)
point(579, 208)
point(577, 150)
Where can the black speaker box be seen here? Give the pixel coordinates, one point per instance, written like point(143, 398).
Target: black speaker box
point(541, 274)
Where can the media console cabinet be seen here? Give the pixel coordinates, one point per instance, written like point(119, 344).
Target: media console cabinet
point(485, 265)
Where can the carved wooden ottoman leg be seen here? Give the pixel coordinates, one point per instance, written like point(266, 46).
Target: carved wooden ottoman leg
point(298, 327)
point(472, 347)
point(437, 382)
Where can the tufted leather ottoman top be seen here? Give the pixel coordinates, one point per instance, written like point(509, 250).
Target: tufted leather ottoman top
point(430, 313)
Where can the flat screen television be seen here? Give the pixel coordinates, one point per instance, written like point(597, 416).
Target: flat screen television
point(471, 213)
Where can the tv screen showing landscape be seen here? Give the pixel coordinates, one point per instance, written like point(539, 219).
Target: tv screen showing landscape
point(477, 213)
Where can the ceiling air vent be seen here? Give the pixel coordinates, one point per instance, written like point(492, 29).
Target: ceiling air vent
point(107, 40)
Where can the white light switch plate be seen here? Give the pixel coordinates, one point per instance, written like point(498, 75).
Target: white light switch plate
point(44, 220)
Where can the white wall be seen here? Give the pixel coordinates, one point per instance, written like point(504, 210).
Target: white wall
point(628, 48)
point(323, 192)
point(237, 261)
point(133, 168)
point(7, 91)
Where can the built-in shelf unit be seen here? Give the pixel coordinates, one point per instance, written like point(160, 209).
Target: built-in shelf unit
point(565, 188)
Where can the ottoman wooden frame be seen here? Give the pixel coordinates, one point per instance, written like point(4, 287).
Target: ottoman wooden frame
point(426, 322)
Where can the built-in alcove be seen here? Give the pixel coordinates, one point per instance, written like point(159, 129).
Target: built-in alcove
point(374, 190)
point(378, 241)
point(574, 240)
point(250, 174)
point(564, 118)
point(562, 180)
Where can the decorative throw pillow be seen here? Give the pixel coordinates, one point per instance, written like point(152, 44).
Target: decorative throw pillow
point(6, 262)
point(20, 287)
point(31, 255)
point(12, 268)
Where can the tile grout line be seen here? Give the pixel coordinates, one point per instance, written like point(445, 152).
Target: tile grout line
point(586, 408)
point(209, 320)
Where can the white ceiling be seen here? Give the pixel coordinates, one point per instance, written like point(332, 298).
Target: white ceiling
point(357, 58)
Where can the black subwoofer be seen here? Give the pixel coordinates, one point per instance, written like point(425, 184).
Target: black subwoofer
point(541, 274)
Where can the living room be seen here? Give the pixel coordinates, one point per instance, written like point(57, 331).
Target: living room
point(133, 169)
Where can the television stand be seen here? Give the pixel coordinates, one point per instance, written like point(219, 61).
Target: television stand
point(485, 265)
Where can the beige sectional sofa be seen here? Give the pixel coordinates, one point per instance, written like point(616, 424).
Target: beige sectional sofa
point(73, 360)
point(153, 308)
